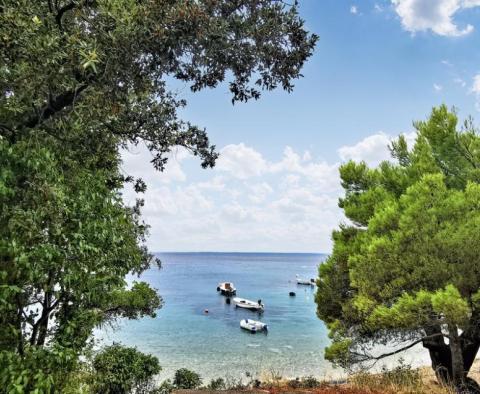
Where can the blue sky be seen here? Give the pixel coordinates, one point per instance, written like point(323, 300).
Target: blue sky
point(378, 66)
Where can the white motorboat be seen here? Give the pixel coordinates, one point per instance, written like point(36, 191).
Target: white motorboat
point(247, 304)
point(307, 282)
point(227, 288)
point(253, 325)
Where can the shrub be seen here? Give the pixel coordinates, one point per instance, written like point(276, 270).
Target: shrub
point(403, 374)
point(121, 370)
point(186, 379)
point(165, 388)
point(294, 383)
point(401, 379)
point(217, 384)
point(308, 382)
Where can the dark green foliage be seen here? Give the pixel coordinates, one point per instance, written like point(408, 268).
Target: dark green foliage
point(79, 81)
point(102, 66)
point(186, 379)
point(217, 384)
point(307, 382)
point(121, 370)
point(405, 271)
point(66, 244)
point(165, 388)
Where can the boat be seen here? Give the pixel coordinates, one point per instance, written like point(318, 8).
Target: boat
point(307, 282)
point(247, 304)
point(253, 325)
point(227, 288)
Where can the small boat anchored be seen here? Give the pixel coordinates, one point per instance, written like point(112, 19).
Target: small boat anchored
point(247, 304)
point(253, 325)
point(307, 282)
point(227, 289)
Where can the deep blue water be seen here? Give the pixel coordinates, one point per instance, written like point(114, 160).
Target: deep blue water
point(182, 335)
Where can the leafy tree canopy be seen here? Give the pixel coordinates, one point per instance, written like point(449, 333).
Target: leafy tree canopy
point(405, 270)
point(66, 244)
point(79, 81)
point(101, 66)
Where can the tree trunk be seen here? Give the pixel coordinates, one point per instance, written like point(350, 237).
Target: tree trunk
point(445, 360)
point(439, 355)
point(43, 322)
point(458, 370)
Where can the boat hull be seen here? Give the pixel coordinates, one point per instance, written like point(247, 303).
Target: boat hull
point(228, 293)
point(253, 326)
point(247, 304)
point(226, 289)
point(305, 283)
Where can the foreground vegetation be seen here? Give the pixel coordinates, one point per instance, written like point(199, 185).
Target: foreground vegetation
point(120, 370)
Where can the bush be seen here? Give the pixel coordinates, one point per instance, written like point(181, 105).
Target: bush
point(217, 384)
point(401, 379)
point(403, 374)
point(186, 379)
point(294, 383)
point(121, 370)
point(308, 382)
point(165, 388)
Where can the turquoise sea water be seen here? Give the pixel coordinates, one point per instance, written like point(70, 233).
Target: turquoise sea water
point(182, 335)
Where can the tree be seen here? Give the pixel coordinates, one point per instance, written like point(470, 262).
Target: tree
point(66, 244)
point(101, 66)
point(404, 271)
point(123, 370)
point(79, 81)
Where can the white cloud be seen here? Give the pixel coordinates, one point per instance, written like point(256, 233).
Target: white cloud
point(259, 192)
point(471, 3)
point(354, 9)
point(138, 161)
point(476, 90)
point(241, 161)
point(434, 15)
point(460, 82)
point(437, 87)
point(377, 7)
point(372, 149)
point(247, 203)
point(476, 84)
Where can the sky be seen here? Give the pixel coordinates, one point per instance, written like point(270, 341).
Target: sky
point(378, 66)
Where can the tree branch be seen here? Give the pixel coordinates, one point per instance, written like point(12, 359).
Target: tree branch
point(61, 11)
point(53, 106)
point(68, 7)
point(367, 356)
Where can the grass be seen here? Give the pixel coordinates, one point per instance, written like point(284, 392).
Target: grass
point(400, 380)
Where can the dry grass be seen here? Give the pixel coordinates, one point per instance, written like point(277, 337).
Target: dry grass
point(401, 380)
point(418, 382)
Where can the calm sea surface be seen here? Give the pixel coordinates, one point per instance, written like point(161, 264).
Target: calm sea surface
point(182, 335)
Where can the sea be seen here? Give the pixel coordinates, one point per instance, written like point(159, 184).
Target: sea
point(213, 344)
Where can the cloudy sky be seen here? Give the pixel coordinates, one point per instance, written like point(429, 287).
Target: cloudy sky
point(379, 65)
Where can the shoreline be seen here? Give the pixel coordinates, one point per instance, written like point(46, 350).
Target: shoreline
point(403, 380)
point(400, 380)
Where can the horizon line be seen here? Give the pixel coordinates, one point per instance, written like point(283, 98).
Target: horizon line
point(245, 252)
